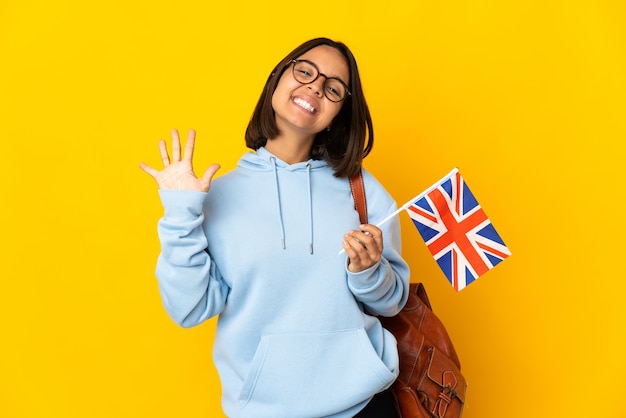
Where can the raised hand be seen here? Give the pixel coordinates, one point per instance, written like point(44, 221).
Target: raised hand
point(177, 173)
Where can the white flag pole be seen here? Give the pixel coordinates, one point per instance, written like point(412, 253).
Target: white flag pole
point(416, 198)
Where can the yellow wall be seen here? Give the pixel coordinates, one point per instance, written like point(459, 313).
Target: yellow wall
point(526, 97)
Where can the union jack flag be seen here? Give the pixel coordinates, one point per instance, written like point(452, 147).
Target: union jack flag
point(456, 231)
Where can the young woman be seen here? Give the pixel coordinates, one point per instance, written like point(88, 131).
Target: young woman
point(297, 334)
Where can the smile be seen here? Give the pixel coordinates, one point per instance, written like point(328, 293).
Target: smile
point(304, 104)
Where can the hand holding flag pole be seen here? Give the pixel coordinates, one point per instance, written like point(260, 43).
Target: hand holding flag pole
point(410, 202)
point(455, 229)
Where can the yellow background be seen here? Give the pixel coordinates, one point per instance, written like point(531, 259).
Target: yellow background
point(526, 97)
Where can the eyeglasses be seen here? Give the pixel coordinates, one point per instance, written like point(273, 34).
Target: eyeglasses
point(305, 72)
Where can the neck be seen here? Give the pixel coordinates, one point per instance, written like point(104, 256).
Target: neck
point(289, 150)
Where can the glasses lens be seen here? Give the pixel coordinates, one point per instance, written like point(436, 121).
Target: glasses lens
point(334, 90)
point(304, 72)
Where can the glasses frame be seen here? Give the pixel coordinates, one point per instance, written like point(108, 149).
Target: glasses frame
point(326, 78)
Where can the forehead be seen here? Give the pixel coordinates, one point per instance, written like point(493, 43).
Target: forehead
point(329, 60)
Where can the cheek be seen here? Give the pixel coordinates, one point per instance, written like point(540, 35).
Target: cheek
point(285, 85)
point(281, 94)
point(334, 111)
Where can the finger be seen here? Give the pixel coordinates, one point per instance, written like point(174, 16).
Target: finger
point(353, 257)
point(189, 145)
point(208, 176)
point(358, 260)
point(145, 167)
point(175, 146)
point(210, 172)
point(356, 243)
point(365, 245)
point(365, 239)
point(375, 233)
point(164, 155)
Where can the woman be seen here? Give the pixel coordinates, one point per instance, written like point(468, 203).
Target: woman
point(258, 246)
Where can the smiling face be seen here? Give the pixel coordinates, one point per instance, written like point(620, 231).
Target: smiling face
point(303, 109)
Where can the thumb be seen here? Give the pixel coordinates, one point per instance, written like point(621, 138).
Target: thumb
point(208, 176)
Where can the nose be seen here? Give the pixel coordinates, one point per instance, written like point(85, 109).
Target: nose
point(317, 86)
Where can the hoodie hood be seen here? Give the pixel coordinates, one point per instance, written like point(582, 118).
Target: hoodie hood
point(263, 160)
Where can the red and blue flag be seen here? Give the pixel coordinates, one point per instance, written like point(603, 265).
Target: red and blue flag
point(457, 231)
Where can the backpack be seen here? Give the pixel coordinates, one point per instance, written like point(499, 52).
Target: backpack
point(430, 383)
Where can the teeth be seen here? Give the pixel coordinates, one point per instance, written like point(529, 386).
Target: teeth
point(304, 104)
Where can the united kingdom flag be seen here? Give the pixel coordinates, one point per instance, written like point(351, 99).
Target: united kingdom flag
point(456, 231)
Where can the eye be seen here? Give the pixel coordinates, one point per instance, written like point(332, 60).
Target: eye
point(304, 71)
point(331, 90)
point(335, 89)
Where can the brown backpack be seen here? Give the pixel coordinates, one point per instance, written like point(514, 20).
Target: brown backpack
point(430, 383)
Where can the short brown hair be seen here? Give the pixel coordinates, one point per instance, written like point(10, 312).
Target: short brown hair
point(351, 136)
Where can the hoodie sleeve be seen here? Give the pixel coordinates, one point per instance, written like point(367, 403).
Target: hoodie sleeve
point(384, 287)
point(191, 287)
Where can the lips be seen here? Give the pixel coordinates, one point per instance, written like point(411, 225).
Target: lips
point(305, 104)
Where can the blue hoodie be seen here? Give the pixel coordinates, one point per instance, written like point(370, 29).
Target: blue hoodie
point(261, 249)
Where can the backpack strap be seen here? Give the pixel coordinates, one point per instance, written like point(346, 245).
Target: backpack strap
point(358, 192)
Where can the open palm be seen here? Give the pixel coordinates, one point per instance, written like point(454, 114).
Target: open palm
point(177, 173)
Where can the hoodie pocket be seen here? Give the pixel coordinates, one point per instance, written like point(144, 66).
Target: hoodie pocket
point(313, 374)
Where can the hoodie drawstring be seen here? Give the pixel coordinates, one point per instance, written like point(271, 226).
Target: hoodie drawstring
point(308, 172)
point(280, 210)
